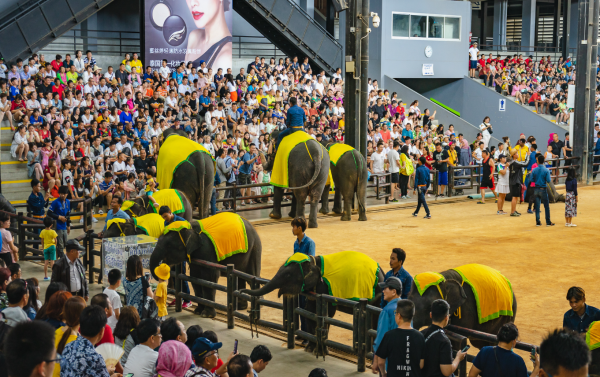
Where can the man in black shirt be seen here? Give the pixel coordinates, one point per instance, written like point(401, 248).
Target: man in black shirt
point(45, 88)
point(121, 74)
point(441, 158)
point(154, 102)
point(427, 118)
point(438, 349)
point(141, 163)
point(378, 109)
point(402, 349)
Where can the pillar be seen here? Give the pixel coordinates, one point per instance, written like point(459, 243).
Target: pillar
point(528, 25)
point(500, 17)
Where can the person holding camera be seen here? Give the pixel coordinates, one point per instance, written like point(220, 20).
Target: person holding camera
point(500, 360)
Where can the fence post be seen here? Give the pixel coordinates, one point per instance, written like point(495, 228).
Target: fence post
point(362, 335)
point(86, 246)
point(234, 196)
point(450, 180)
point(388, 189)
point(376, 177)
point(462, 366)
point(21, 236)
point(92, 261)
point(230, 308)
point(320, 325)
point(255, 305)
point(290, 322)
point(177, 288)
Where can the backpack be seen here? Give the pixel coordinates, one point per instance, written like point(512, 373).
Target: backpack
point(149, 307)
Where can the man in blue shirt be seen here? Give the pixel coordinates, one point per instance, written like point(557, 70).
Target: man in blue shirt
point(296, 117)
point(541, 177)
point(60, 210)
point(244, 178)
point(391, 291)
point(397, 259)
point(204, 102)
point(36, 204)
point(115, 212)
point(303, 244)
point(13, 90)
point(422, 181)
point(168, 216)
point(581, 315)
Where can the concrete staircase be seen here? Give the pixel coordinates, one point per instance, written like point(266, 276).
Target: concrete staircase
point(15, 183)
point(549, 118)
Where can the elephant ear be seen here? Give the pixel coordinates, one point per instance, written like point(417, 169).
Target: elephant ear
point(312, 269)
point(455, 295)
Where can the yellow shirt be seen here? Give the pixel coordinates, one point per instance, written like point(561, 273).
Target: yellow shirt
point(521, 152)
point(452, 154)
point(160, 296)
point(58, 334)
point(341, 124)
point(136, 64)
point(49, 237)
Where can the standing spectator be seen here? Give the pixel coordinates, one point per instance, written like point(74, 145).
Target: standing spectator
point(246, 171)
point(29, 350)
point(572, 198)
point(441, 158)
point(487, 175)
point(48, 237)
point(564, 354)
point(406, 171)
point(260, 358)
point(485, 128)
point(394, 160)
point(163, 272)
point(473, 52)
point(9, 251)
point(581, 315)
point(402, 348)
point(60, 210)
point(391, 291)
point(141, 361)
point(224, 174)
point(520, 154)
point(541, 177)
point(397, 259)
point(501, 360)
point(378, 161)
point(80, 359)
point(114, 282)
point(422, 181)
point(438, 349)
point(69, 271)
point(135, 283)
point(503, 187)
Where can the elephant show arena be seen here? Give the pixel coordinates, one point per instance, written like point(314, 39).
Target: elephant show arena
point(540, 262)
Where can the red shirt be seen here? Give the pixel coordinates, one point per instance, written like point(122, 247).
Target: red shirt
point(107, 337)
point(55, 65)
point(219, 363)
point(490, 60)
point(58, 89)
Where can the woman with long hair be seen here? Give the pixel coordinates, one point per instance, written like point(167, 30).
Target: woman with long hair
point(33, 305)
point(135, 283)
point(210, 43)
point(124, 332)
point(66, 334)
point(54, 310)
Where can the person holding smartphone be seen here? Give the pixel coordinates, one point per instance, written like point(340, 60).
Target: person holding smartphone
point(500, 360)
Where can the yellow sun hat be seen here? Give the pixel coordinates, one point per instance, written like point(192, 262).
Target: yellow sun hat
point(163, 272)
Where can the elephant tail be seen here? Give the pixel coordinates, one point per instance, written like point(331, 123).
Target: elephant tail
point(317, 160)
point(358, 159)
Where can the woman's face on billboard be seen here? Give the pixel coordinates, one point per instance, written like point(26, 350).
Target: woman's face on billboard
point(203, 11)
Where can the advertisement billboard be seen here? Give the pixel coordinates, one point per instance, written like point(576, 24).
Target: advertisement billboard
point(188, 31)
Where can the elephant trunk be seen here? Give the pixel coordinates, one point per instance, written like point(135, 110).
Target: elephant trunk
point(264, 162)
point(265, 289)
point(155, 260)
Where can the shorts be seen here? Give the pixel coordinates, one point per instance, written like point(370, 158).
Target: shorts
point(515, 190)
point(473, 64)
point(443, 178)
point(244, 179)
point(395, 177)
point(50, 253)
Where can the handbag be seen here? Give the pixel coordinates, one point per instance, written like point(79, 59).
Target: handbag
point(149, 307)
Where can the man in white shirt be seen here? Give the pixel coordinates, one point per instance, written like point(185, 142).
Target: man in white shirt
point(119, 167)
point(141, 361)
point(122, 144)
point(33, 70)
point(79, 63)
point(473, 51)
point(378, 160)
point(110, 74)
point(164, 71)
point(184, 87)
point(319, 87)
point(393, 158)
point(89, 88)
point(3, 69)
point(171, 102)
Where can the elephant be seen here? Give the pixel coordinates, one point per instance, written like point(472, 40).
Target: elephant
point(457, 297)
point(6, 206)
point(350, 177)
point(171, 250)
point(308, 172)
point(142, 205)
point(194, 176)
point(129, 228)
point(293, 278)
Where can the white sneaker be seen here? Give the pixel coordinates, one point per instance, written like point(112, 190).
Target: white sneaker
point(94, 220)
point(100, 212)
point(81, 220)
point(572, 225)
point(567, 224)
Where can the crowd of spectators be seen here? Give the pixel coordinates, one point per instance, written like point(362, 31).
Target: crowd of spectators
point(542, 84)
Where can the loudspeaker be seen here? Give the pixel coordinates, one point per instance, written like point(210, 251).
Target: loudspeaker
point(340, 5)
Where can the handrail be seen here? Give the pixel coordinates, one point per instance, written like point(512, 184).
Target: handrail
point(18, 11)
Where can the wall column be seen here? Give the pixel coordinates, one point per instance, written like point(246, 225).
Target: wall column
point(528, 25)
point(500, 17)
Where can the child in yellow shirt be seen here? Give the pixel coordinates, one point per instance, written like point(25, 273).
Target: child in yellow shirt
point(163, 272)
point(49, 238)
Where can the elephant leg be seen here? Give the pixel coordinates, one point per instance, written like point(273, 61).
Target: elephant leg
point(294, 206)
point(196, 271)
point(361, 196)
point(206, 196)
point(277, 198)
point(337, 201)
point(314, 204)
point(241, 303)
point(348, 196)
point(325, 200)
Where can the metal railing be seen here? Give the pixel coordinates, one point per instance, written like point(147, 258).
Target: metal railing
point(98, 41)
point(246, 46)
point(18, 10)
point(516, 48)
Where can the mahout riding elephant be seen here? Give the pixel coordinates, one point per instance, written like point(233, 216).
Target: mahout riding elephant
point(302, 273)
point(463, 306)
point(308, 167)
point(151, 225)
point(349, 172)
point(200, 240)
point(187, 166)
point(176, 200)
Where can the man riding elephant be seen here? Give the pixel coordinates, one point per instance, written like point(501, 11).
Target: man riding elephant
point(176, 200)
point(296, 117)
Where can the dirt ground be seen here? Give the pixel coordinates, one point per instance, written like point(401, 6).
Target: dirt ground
point(541, 263)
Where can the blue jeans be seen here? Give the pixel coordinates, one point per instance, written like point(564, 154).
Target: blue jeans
point(422, 191)
point(284, 133)
point(213, 202)
point(541, 195)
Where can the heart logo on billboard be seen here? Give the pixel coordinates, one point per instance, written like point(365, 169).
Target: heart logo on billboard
point(174, 30)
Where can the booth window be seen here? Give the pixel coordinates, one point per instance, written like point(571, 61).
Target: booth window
point(424, 26)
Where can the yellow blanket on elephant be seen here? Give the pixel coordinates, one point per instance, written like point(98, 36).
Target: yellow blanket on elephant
point(117, 221)
point(152, 224)
point(336, 151)
point(493, 292)
point(425, 280)
point(177, 226)
point(170, 198)
point(592, 337)
point(350, 275)
point(227, 232)
point(174, 151)
point(127, 204)
point(280, 174)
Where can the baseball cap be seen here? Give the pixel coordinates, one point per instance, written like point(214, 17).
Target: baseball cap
point(73, 244)
point(202, 346)
point(392, 283)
